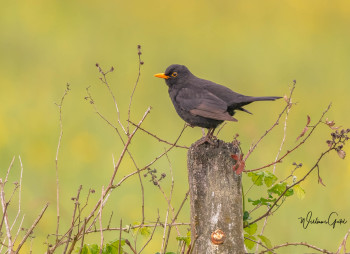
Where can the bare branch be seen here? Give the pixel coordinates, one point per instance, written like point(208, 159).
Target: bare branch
point(76, 202)
point(137, 81)
point(297, 244)
point(289, 104)
point(343, 243)
point(100, 219)
point(104, 81)
point(175, 218)
point(295, 147)
point(30, 230)
point(159, 139)
point(56, 160)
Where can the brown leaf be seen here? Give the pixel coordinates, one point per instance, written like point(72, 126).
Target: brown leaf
point(240, 167)
point(235, 157)
point(303, 132)
point(240, 163)
point(320, 181)
point(308, 120)
point(331, 124)
point(341, 154)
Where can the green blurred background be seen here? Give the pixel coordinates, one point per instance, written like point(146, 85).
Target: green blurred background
point(254, 47)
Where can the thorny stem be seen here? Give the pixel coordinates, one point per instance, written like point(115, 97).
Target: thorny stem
point(297, 146)
point(109, 187)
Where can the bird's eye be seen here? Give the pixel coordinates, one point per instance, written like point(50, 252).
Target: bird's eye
point(174, 74)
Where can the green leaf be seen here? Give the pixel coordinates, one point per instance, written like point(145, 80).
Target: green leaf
point(246, 215)
point(186, 239)
point(262, 201)
point(248, 243)
point(289, 192)
point(145, 231)
point(89, 249)
point(251, 229)
point(266, 241)
point(299, 191)
point(113, 247)
point(278, 188)
point(269, 179)
point(257, 177)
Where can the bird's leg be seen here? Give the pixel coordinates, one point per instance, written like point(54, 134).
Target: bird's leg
point(203, 132)
point(207, 138)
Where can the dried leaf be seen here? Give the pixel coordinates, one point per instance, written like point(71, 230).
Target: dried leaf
point(303, 132)
point(308, 120)
point(235, 157)
point(240, 168)
point(335, 128)
point(320, 181)
point(331, 124)
point(240, 163)
point(341, 154)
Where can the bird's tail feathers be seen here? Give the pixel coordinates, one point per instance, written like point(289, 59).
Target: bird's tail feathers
point(266, 98)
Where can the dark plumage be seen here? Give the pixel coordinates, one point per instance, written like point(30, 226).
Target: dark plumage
point(203, 103)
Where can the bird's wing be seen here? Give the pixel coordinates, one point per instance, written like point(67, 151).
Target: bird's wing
point(203, 103)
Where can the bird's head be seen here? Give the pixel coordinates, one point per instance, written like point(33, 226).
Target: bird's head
point(175, 74)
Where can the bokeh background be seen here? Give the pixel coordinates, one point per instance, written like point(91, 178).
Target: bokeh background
point(254, 47)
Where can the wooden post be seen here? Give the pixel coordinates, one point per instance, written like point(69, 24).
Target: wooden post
point(216, 199)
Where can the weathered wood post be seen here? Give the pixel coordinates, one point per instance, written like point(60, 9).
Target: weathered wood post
point(216, 199)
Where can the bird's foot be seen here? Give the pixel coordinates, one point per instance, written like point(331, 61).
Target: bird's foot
point(206, 139)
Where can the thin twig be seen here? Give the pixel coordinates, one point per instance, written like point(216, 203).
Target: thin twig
point(4, 205)
point(297, 244)
point(175, 218)
point(295, 147)
point(76, 202)
point(159, 139)
point(137, 81)
point(274, 167)
point(104, 80)
point(289, 187)
point(150, 238)
point(274, 124)
point(56, 160)
point(120, 237)
point(164, 232)
point(30, 230)
point(109, 187)
point(130, 246)
point(100, 219)
point(19, 195)
point(343, 243)
point(257, 242)
point(82, 238)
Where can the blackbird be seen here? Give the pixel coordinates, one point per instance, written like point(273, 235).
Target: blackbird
point(201, 102)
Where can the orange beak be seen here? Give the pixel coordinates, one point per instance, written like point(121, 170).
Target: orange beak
point(161, 75)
